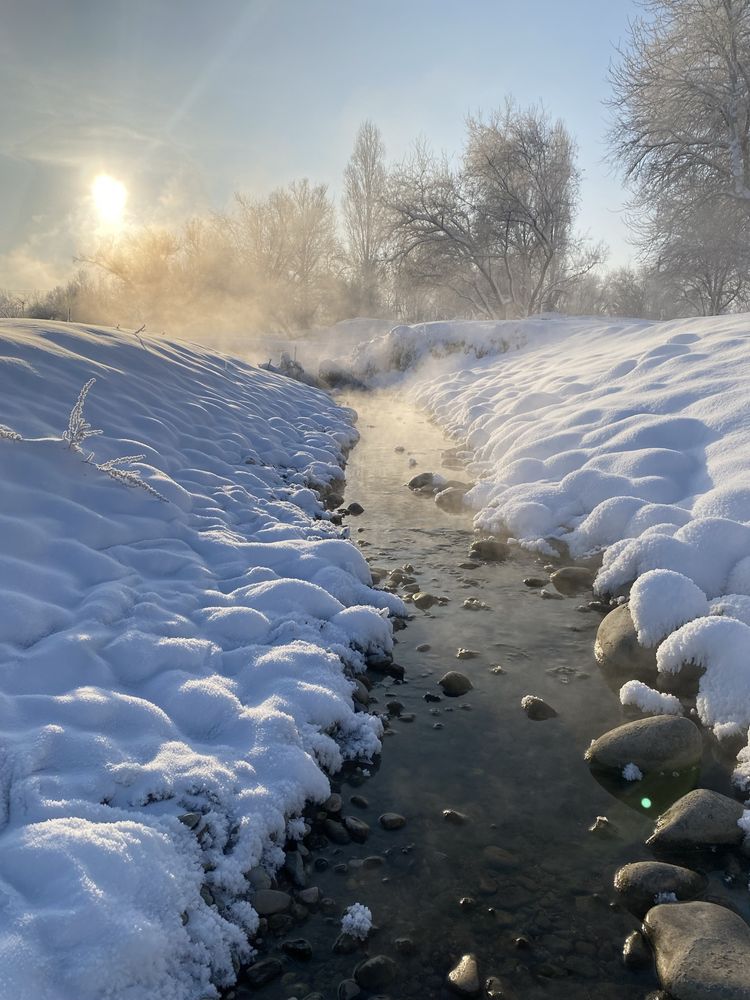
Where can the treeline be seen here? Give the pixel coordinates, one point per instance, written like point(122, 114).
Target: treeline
point(490, 233)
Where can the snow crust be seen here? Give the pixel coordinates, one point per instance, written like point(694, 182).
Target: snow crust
point(161, 658)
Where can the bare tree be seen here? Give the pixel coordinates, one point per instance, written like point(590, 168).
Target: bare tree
point(365, 215)
point(682, 100)
point(498, 230)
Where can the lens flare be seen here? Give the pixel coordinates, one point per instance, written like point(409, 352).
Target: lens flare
point(110, 196)
point(646, 803)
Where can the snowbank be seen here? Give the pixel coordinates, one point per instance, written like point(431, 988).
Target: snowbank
point(163, 657)
point(625, 436)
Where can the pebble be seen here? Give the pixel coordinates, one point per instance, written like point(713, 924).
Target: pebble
point(355, 509)
point(299, 948)
point(463, 978)
point(336, 832)
point(466, 654)
point(392, 821)
point(266, 902)
point(375, 972)
point(602, 827)
point(474, 604)
point(347, 990)
point(359, 801)
point(536, 708)
point(424, 601)
point(497, 669)
point(190, 819)
point(345, 944)
point(636, 953)
point(357, 829)
point(498, 857)
point(454, 683)
point(333, 804)
point(404, 946)
point(424, 647)
point(294, 865)
point(489, 550)
point(310, 897)
point(454, 817)
point(535, 581)
point(263, 972)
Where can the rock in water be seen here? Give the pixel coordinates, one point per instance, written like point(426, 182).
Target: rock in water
point(702, 951)
point(701, 818)
point(635, 952)
point(617, 648)
point(421, 480)
point(489, 550)
point(464, 977)
point(451, 500)
point(659, 743)
point(455, 683)
point(375, 972)
point(392, 821)
point(536, 708)
point(570, 580)
point(639, 883)
point(423, 600)
point(263, 972)
point(269, 901)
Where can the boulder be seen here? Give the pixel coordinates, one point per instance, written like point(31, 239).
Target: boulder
point(659, 743)
point(702, 818)
point(570, 580)
point(641, 882)
point(702, 951)
point(617, 648)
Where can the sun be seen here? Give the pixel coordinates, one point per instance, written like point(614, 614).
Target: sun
point(110, 196)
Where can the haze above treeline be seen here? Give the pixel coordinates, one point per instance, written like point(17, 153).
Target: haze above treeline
point(489, 232)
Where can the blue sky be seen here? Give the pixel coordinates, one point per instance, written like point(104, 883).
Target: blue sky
point(187, 101)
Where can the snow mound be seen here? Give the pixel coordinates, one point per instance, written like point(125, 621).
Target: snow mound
point(662, 600)
point(163, 657)
point(647, 700)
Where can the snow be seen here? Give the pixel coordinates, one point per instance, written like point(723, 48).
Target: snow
point(649, 701)
point(631, 772)
point(357, 921)
point(162, 657)
point(621, 436)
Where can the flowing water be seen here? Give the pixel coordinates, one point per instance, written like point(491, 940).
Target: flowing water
point(539, 913)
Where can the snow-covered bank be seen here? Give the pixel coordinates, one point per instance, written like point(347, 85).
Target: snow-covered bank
point(627, 436)
point(162, 657)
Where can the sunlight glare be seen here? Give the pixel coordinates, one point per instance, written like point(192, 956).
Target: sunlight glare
point(109, 196)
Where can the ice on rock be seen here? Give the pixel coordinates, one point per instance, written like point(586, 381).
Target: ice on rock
point(631, 772)
point(357, 921)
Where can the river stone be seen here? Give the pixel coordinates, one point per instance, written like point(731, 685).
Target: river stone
point(375, 972)
point(347, 990)
point(617, 648)
point(355, 509)
point(263, 972)
point(572, 580)
point(635, 951)
point(700, 818)
point(357, 829)
point(702, 951)
point(423, 600)
point(259, 878)
point(299, 948)
point(336, 832)
point(294, 865)
point(498, 858)
point(451, 500)
point(489, 550)
point(266, 902)
point(310, 897)
point(421, 480)
point(392, 821)
point(659, 743)
point(455, 683)
point(464, 977)
point(638, 884)
point(536, 708)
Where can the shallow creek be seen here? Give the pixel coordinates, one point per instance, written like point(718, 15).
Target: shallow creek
point(539, 914)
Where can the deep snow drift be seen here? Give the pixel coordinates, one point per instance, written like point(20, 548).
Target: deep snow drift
point(627, 436)
point(161, 657)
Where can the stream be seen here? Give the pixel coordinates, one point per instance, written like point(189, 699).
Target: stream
point(521, 881)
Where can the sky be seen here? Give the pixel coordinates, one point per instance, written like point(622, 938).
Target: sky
point(186, 102)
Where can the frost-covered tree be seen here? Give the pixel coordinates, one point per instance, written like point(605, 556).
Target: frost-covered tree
point(681, 100)
point(365, 217)
point(498, 228)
